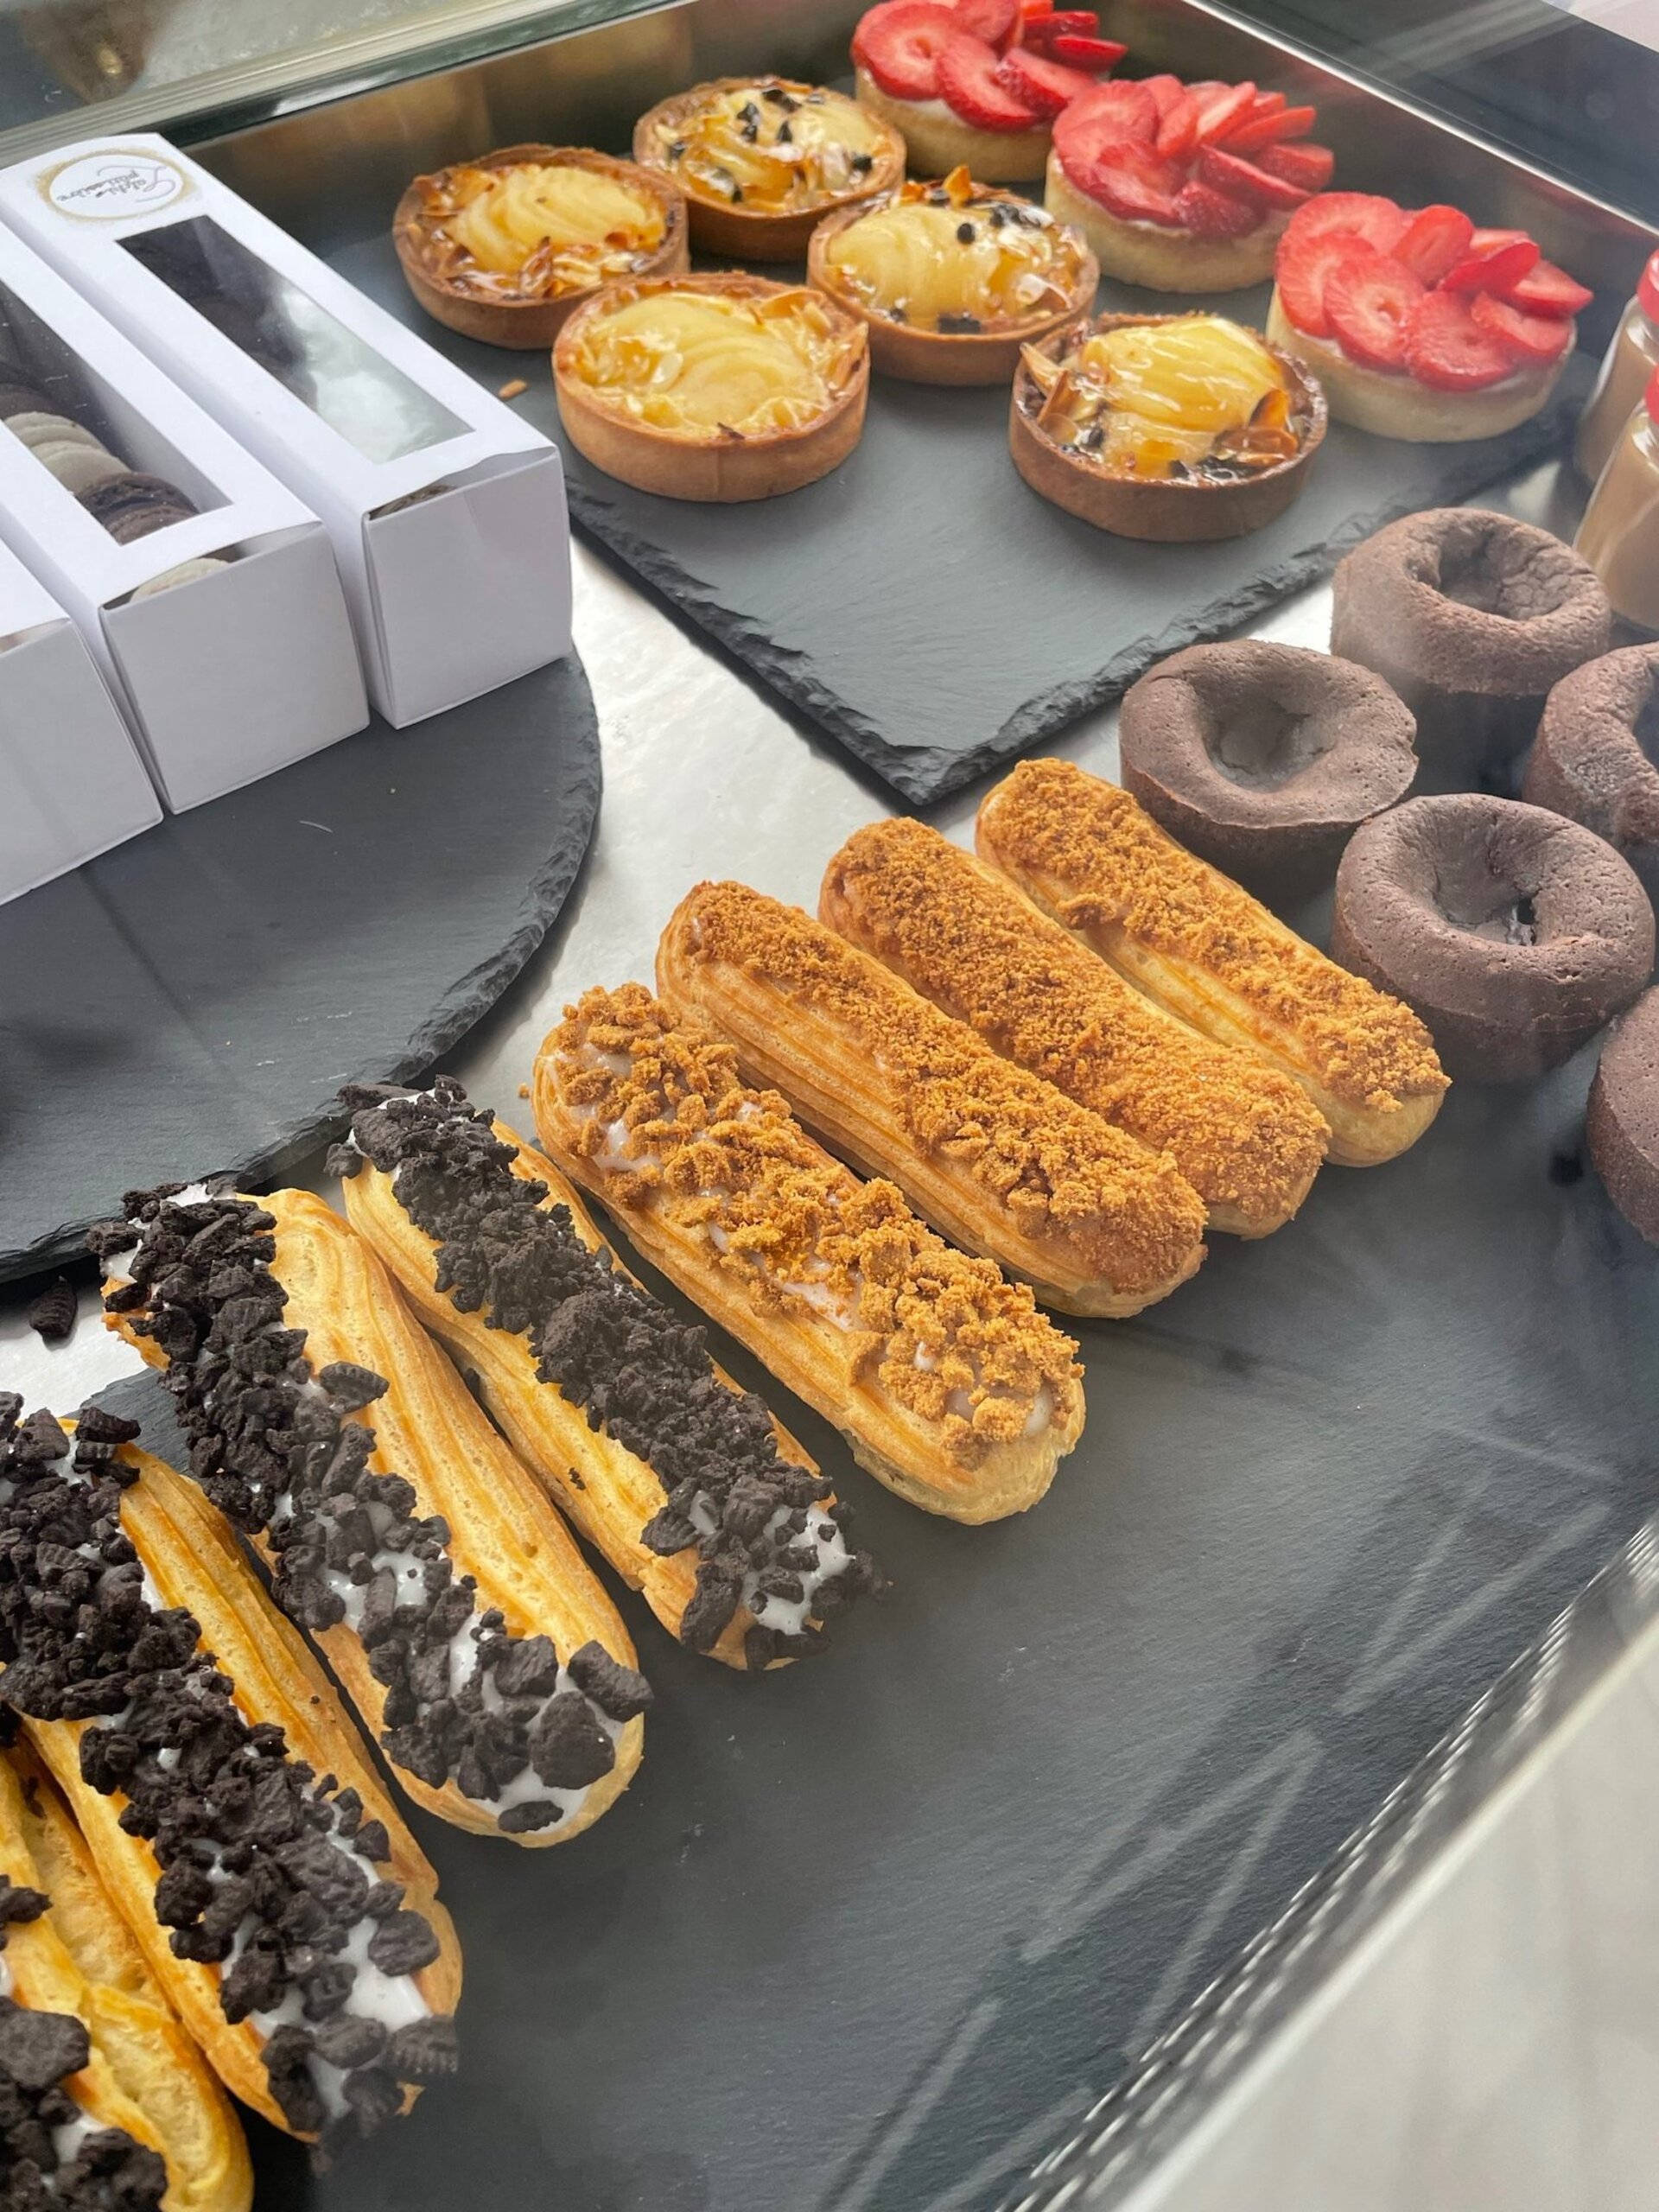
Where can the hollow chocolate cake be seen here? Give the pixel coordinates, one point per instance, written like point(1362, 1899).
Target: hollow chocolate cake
point(1514, 933)
point(1473, 617)
point(1623, 1122)
point(1264, 758)
point(1594, 758)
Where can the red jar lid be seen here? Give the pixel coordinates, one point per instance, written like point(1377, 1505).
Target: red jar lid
point(1647, 291)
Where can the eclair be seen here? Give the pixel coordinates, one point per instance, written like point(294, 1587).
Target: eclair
point(1207, 953)
point(1245, 1137)
point(949, 1385)
point(684, 1484)
point(401, 1533)
point(104, 2101)
point(995, 1157)
point(233, 1814)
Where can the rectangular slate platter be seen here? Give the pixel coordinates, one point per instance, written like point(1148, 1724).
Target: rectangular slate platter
point(870, 1934)
point(921, 605)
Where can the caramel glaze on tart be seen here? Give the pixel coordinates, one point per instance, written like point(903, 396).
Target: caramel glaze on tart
point(1174, 428)
point(951, 279)
point(503, 248)
point(713, 387)
point(762, 160)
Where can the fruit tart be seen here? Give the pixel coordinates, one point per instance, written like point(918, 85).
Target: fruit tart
point(762, 160)
point(719, 387)
point(1418, 325)
point(951, 279)
point(1170, 427)
point(973, 84)
point(1184, 188)
point(501, 249)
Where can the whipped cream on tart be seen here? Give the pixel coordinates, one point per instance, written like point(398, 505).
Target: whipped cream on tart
point(761, 160)
point(1174, 427)
point(952, 278)
point(719, 388)
point(502, 248)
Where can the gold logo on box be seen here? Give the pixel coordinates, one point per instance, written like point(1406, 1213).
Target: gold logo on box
point(115, 182)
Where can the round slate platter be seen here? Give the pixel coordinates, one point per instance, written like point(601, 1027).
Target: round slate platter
point(191, 1003)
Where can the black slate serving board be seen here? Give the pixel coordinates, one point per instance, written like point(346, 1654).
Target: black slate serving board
point(867, 1936)
point(926, 607)
point(202, 993)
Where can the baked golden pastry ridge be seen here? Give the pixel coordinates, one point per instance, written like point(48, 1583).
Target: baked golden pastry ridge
point(683, 1482)
point(1210, 955)
point(401, 1534)
point(996, 1159)
point(232, 1811)
point(1244, 1136)
point(949, 1385)
point(65, 1949)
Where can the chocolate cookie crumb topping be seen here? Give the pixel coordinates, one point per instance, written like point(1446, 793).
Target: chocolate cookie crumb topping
point(51, 1313)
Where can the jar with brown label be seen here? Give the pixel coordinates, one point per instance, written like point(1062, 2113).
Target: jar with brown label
point(1619, 535)
point(1631, 360)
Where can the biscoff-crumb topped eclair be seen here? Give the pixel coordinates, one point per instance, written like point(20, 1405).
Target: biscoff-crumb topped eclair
point(1092, 857)
point(1243, 1136)
point(950, 1383)
point(997, 1157)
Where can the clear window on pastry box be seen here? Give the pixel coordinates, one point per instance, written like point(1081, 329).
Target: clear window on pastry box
point(206, 593)
point(447, 511)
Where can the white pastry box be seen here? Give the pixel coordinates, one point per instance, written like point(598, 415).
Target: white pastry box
point(71, 783)
point(209, 598)
point(446, 510)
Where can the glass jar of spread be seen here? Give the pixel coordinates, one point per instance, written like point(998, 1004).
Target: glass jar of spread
point(1619, 535)
point(1631, 360)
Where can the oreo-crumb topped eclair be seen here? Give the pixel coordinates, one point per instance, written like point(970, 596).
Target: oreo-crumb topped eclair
point(276, 1895)
point(400, 1532)
point(683, 1483)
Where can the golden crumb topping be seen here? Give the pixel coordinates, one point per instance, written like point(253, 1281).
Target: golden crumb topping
point(1114, 867)
point(1243, 1135)
point(656, 1107)
point(1056, 1169)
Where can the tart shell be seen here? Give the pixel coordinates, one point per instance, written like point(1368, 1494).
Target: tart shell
point(1399, 407)
point(1167, 511)
point(957, 357)
point(1164, 260)
point(938, 140)
point(751, 233)
point(528, 323)
point(712, 471)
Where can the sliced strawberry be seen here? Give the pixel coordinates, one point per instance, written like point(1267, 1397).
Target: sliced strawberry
point(1045, 86)
point(1528, 338)
point(969, 87)
point(1489, 241)
point(1369, 299)
point(1435, 241)
point(899, 44)
point(1307, 262)
point(1267, 104)
point(1060, 22)
point(1178, 129)
point(1221, 109)
point(1132, 184)
point(1096, 54)
point(1231, 173)
point(994, 20)
point(1446, 348)
point(1378, 221)
point(1546, 289)
point(1304, 164)
point(1211, 214)
point(1257, 129)
point(1164, 90)
point(1122, 112)
point(1500, 270)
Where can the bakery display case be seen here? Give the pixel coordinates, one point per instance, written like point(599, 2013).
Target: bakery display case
point(885, 1476)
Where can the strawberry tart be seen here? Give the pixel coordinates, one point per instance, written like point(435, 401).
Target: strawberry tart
point(977, 84)
point(1184, 188)
point(1418, 325)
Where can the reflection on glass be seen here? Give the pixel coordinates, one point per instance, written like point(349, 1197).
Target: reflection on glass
point(370, 403)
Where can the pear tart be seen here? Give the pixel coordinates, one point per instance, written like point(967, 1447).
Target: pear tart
point(718, 387)
point(503, 248)
point(1174, 428)
point(951, 279)
point(762, 160)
